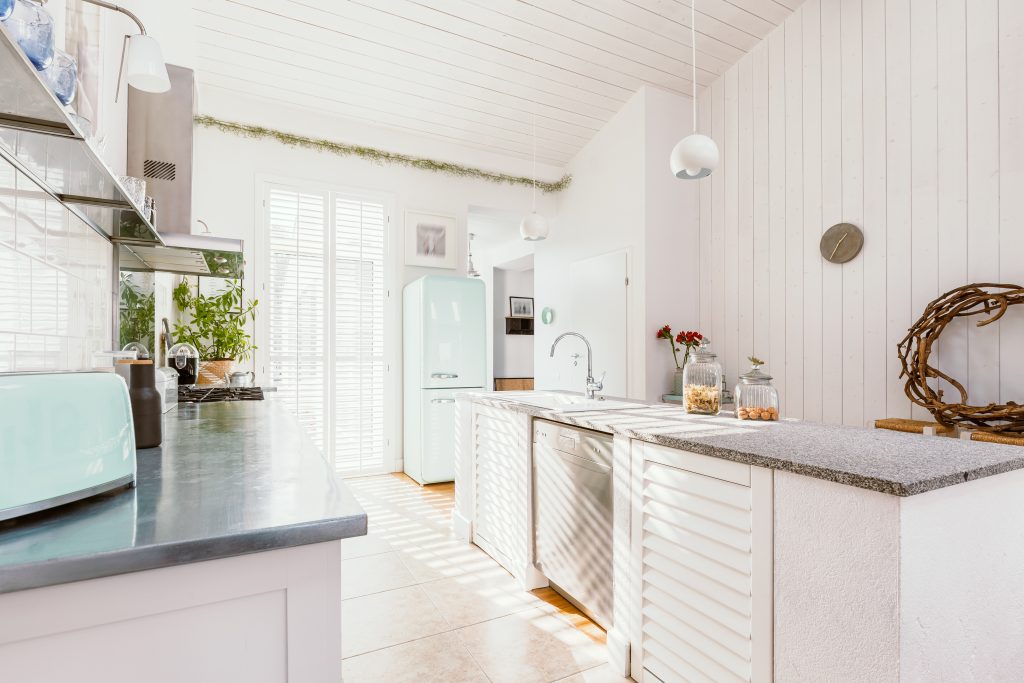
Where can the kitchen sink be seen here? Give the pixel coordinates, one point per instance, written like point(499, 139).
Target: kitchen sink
point(564, 403)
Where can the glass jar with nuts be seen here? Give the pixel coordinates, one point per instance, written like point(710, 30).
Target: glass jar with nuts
point(756, 398)
point(702, 380)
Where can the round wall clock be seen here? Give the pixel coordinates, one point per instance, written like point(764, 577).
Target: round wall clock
point(841, 243)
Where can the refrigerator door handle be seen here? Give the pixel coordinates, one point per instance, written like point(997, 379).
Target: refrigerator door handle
point(442, 400)
point(444, 375)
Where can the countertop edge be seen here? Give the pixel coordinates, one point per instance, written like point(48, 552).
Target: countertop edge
point(886, 486)
point(62, 571)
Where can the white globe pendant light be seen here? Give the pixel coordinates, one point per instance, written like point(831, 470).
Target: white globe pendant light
point(534, 227)
point(696, 155)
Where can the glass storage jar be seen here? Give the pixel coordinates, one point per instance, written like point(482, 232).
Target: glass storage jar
point(62, 76)
point(31, 26)
point(184, 358)
point(756, 398)
point(702, 382)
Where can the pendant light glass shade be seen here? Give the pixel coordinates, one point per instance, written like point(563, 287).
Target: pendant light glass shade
point(144, 67)
point(695, 156)
point(534, 227)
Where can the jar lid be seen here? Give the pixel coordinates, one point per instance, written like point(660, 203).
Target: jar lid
point(754, 375)
point(178, 355)
point(703, 352)
point(141, 352)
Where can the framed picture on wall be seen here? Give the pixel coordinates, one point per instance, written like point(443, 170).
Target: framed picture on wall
point(520, 306)
point(431, 240)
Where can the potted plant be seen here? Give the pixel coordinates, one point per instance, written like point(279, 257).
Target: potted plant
point(137, 311)
point(216, 327)
point(688, 340)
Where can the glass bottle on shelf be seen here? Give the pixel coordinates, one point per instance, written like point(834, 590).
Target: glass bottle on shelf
point(756, 397)
point(702, 379)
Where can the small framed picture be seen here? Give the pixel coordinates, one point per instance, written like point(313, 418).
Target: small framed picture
point(520, 306)
point(430, 240)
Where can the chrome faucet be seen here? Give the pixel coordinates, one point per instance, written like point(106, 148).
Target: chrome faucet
point(592, 385)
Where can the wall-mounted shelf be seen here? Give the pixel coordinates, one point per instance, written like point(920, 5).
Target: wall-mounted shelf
point(518, 325)
point(39, 138)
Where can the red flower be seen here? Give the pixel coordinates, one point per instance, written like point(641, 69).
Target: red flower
point(664, 333)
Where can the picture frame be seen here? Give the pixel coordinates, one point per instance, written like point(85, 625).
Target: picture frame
point(431, 240)
point(520, 306)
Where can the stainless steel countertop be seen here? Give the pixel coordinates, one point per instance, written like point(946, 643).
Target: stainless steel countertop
point(230, 478)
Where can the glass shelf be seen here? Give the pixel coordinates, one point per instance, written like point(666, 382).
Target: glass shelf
point(38, 137)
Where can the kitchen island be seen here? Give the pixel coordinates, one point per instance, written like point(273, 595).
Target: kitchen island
point(775, 550)
point(223, 563)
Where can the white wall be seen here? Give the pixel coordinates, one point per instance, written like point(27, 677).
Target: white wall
point(623, 196)
point(513, 353)
point(907, 119)
point(228, 173)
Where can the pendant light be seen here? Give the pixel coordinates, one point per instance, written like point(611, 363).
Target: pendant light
point(696, 155)
point(471, 270)
point(534, 227)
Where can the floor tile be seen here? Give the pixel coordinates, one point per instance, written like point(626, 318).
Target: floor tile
point(384, 619)
point(444, 558)
point(373, 574)
point(530, 647)
point(480, 596)
point(599, 674)
point(361, 546)
point(437, 659)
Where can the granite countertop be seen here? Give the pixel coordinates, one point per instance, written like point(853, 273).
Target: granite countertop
point(877, 459)
point(230, 478)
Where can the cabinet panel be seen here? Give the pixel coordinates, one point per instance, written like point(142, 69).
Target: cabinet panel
point(501, 471)
point(701, 552)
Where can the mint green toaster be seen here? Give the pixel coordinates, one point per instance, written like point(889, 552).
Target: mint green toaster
point(63, 437)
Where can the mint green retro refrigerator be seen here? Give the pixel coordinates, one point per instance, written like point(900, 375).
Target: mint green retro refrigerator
point(445, 353)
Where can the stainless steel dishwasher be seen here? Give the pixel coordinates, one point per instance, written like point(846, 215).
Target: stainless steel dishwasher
point(572, 513)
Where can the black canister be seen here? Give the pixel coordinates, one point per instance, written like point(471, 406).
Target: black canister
point(147, 408)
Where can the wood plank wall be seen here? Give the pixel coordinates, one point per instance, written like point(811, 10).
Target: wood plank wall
point(905, 117)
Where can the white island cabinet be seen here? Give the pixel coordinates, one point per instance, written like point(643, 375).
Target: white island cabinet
point(780, 551)
point(702, 568)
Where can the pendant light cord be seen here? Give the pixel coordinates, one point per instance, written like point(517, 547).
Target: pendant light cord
point(693, 60)
point(534, 124)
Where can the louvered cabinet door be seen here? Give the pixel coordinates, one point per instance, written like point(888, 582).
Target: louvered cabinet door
point(501, 463)
point(703, 556)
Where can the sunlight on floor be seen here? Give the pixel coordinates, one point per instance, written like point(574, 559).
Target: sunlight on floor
point(421, 606)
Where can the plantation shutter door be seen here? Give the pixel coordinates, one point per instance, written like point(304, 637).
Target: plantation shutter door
point(359, 231)
point(297, 290)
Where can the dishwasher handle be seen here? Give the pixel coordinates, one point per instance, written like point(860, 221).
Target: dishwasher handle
point(574, 460)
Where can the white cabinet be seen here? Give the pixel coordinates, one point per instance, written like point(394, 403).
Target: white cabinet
point(502, 519)
point(702, 537)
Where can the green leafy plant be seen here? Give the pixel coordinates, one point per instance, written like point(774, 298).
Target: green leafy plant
point(137, 313)
point(217, 322)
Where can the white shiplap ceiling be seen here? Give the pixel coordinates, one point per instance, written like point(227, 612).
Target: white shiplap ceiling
point(474, 72)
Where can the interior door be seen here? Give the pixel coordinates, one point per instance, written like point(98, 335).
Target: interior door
point(598, 312)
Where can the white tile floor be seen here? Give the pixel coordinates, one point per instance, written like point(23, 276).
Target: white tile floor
point(420, 606)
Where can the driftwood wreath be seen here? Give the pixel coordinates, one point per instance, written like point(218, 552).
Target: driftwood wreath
point(990, 300)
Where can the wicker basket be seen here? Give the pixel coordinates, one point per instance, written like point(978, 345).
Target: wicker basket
point(213, 371)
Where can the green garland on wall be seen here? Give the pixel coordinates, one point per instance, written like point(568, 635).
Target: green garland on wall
point(379, 156)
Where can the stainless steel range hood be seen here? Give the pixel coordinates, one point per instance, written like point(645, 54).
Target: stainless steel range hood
point(160, 139)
